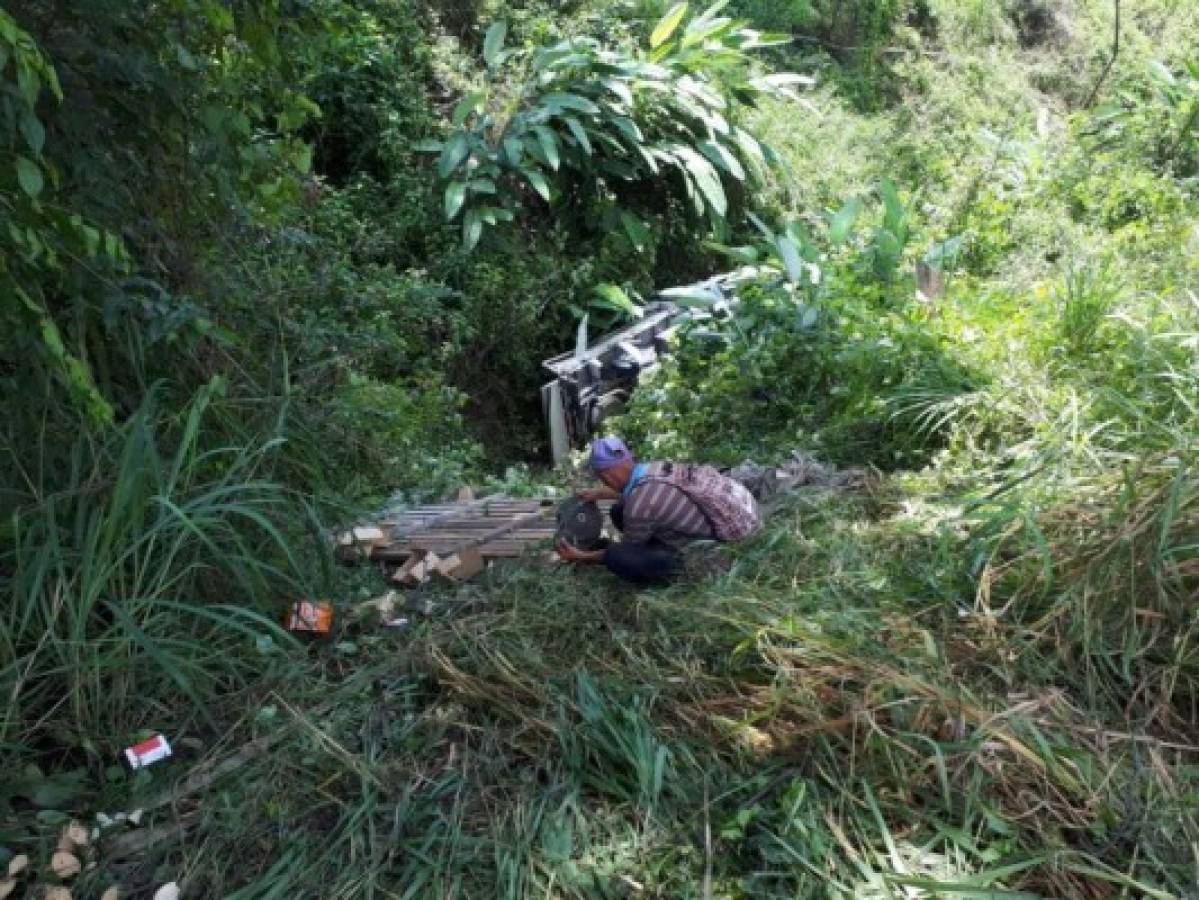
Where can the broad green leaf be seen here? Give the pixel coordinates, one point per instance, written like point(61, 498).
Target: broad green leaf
point(841, 225)
point(560, 101)
point(798, 232)
point(707, 181)
point(745, 255)
point(472, 229)
point(788, 79)
point(628, 128)
point(710, 13)
point(455, 197)
point(301, 158)
point(494, 42)
point(534, 149)
point(549, 145)
point(635, 229)
point(1159, 71)
point(34, 132)
point(648, 157)
point(749, 146)
point(428, 145)
point(513, 150)
point(467, 106)
point(620, 88)
point(693, 295)
point(698, 32)
point(29, 175)
point(945, 254)
point(580, 134)
point(895, 217)
point(789, 254)
point(724, 158)
point(888, 253)
point(455, 150)
point(614, 297)
point(667, 25)
point(538, 181)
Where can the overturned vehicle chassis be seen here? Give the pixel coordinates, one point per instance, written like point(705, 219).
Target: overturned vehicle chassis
point(593, 383)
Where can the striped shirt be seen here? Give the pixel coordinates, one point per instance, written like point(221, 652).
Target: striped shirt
point(657, 511)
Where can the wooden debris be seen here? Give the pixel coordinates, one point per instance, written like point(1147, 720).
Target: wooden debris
point(113, 893)
point(65, 865)
point(56, 893)
point(7, 886)
point(169, 891)
point(497, 526)
point(135, 843)
point(462, 565)
point(417, 569)
point(74, 837)
point(17, 865)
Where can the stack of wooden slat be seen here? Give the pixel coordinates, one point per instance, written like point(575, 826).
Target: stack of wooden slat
point(497, 527)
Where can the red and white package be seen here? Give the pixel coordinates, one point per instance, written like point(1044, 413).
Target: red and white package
point(147, 752)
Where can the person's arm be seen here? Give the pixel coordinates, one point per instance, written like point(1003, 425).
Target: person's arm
point(593, 495)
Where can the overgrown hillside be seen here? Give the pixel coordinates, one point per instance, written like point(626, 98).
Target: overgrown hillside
point(267, 262)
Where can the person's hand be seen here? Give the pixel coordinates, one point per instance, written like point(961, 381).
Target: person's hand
point(572, 554)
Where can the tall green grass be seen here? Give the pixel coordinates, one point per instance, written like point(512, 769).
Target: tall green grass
point(149, 576)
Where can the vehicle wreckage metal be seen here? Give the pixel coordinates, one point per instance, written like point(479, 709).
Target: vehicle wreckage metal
point(594, 382)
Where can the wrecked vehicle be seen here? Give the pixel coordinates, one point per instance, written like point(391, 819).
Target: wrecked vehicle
point(594, 382)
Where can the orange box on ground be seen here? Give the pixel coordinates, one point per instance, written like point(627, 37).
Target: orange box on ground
point(311, 616)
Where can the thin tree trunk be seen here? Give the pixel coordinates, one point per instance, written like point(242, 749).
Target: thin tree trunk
point(1111, 62)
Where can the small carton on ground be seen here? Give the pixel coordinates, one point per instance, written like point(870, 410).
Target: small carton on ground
point(147, 752)
point(315, 617)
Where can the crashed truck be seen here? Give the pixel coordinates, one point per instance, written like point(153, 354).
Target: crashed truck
point(595, 380)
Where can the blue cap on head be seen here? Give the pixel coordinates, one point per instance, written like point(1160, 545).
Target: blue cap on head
point(608, 452)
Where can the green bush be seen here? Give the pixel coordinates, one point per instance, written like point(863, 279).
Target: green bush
point(838, 379)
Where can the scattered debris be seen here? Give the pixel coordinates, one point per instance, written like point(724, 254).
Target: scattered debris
point(56, 893)
point(169, 891)
point(461, 565)
point(315, 617)
point(7, 886)
point(767, 483)
point(113, 893)
point(147, 752)
point(456, 540)
point(417, 569)
point(360, 542)
point(385, 605)
point(74, 837)
point(17, 865)
point(65, 865)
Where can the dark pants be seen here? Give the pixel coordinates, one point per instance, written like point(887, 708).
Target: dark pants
point(641, 563)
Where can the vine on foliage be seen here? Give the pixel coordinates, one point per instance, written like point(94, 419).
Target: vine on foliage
point(586, 115)
point(39, 236)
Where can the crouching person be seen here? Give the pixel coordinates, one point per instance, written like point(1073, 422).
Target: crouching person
point(661, 508)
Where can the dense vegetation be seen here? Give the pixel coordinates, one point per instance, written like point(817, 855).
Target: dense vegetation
point(266, 262)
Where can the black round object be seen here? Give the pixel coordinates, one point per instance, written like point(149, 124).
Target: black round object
point(581, 523)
